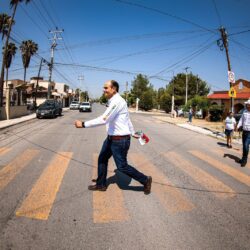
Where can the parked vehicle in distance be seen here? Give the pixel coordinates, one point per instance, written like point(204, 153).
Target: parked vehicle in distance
point(181, 113)
point(239, 114)
point(74, 105)
point(85, 106)
point(199, 114)
point(50, 108)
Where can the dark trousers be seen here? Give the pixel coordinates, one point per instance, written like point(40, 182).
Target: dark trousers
point(119, 150)
point(245, 144)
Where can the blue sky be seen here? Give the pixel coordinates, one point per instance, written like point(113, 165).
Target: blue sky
point(108, 39)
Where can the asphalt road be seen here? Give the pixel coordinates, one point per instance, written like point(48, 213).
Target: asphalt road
point(200, 197)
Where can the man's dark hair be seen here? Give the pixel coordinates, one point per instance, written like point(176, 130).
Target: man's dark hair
point(115, 84)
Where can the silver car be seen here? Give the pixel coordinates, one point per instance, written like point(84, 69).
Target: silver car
point(74, 105)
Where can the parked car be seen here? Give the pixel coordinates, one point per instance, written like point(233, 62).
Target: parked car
point(239, 114)
point(85, 106)
point(199, 113)
point(181, 113)
point(50, 108)
point(74, 105)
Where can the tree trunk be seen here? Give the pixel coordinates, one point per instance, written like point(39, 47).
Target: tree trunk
point(4, 56)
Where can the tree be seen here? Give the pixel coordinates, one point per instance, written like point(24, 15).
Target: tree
point(84, 96)
point(195, 87)
point(10, 53)
point(5, 21)
point(28, 49)
point(13, 5)
point(142, 89)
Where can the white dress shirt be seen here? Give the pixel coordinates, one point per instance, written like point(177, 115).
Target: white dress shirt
point(116, 118)
point(244, 121)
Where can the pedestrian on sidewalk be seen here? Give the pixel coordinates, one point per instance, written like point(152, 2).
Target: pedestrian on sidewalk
point(190, 115)
point(119, 129)
point(230, 126)
point(244, 123)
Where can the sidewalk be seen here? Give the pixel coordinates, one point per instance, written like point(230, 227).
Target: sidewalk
point(213, 129)
point(11, 122)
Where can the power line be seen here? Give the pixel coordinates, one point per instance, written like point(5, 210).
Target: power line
point(36, 24)
point(217, 12)
point(186, 59)
point(165, 14)
point(50, 17)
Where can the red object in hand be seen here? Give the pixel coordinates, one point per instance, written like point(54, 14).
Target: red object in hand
point(145, 138)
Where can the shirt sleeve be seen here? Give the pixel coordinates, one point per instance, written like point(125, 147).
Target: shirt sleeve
point(240, 122)
point(106, 117)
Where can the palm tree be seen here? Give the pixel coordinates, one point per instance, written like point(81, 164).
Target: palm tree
point(28, 49)
point(13, 5)
point(5, 21)
point(10, 53)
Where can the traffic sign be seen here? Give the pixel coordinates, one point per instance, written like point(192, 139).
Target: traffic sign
point(232, 92)
point(231, 77)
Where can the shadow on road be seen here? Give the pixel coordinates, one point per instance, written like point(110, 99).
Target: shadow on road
point(233, 157)
point(123, 181)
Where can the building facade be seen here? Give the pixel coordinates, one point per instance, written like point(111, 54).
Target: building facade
point(221, 98)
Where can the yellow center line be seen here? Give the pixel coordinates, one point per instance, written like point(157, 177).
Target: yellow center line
point(171, 198)
point(223, 167)
point(218, 188)
point(10, 171)
point(39, 202)
point(108, 206)
point(4, 150)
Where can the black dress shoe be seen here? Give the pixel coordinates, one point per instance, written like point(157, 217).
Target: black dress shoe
point(147, 185)
point(97, 188)
point(243, 163)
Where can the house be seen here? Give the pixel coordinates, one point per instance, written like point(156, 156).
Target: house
point(242, 88)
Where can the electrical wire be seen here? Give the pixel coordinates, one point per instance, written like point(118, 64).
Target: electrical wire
point(217, 12)
point(165, 14)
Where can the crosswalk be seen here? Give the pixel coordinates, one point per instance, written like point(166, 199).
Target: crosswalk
point(112, 206)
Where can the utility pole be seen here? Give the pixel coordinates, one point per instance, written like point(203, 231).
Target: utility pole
point(80, 78)
point(38, 76)
point(186, 85)
point(55, 34)
point(172, 106)
point(126, 92)
point(222, 45)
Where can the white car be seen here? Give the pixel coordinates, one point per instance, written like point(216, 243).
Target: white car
point(85, 106)
point(74, 105)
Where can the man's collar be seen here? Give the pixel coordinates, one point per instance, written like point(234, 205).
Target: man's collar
point(113, 97)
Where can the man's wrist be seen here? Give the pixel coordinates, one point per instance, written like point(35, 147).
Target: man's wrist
point(83, 125)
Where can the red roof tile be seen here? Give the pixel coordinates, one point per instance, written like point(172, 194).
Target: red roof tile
point(243, 95)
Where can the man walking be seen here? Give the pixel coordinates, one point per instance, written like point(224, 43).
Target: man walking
point(244, 122)
point(119, 129)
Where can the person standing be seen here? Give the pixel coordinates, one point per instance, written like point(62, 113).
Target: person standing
point(230, 126)
point(244, 122)
point(190, 115)
point(119, 129)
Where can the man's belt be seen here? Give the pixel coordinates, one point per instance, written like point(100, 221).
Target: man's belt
point(118, 137)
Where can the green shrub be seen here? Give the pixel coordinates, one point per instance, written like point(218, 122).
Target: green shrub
point(216, 112)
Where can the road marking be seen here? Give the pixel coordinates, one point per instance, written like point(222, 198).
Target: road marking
point(223, 167)
point(206, 180)
point(108, 206)
point(171, 198)
point(4, 150)
point(9, 172)
point(39, 202)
